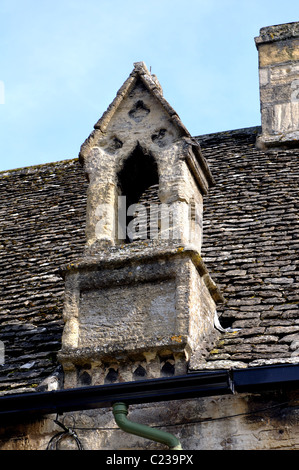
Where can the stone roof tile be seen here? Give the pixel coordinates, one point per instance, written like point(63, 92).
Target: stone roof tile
point(250, 246)
point(42, 227)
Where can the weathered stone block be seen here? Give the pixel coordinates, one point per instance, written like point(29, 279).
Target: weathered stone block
point(123, 311)
point(278, 52)
point(149, 306)
point(278, 48)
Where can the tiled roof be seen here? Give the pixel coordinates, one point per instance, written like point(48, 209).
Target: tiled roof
point(251, 246)
point(251, 242)
point(42, 226)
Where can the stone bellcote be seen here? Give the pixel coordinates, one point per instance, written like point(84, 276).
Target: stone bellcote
point(138, 143)
point(140, 301)
point(278, 50)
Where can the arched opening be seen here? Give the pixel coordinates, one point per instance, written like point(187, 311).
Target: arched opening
point(138, 174)
point(168, 369)
point(112, 376)
point(139, 373)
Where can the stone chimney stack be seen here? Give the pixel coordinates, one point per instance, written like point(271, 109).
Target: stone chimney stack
point(278, 50)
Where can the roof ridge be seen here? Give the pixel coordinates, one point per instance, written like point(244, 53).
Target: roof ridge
point(232, 132)
point(38, 167)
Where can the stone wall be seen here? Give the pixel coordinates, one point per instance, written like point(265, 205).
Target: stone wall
point(278, 48)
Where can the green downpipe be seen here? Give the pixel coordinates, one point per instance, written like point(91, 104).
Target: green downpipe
point(120, 411)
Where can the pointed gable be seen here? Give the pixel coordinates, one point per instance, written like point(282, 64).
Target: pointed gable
point(139, 80)
point(140, 114)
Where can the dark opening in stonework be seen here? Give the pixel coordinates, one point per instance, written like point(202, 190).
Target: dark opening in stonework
point(139, 372)
point(112, 376)
point(85, 378)
point(139, 111)
point(226, 321)
point(160, 138)
point(168, 369)
point(114, 145)
point(139, 172)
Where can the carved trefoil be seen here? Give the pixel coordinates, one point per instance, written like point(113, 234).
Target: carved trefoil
point(140, 300)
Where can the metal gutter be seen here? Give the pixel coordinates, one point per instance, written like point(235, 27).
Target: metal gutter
point(149, 391)
point(103, 396)
point(255, 379)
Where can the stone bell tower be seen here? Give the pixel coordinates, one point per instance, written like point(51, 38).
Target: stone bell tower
point(140, 300)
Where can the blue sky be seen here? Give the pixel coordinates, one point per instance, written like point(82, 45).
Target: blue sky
point(62, 62)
